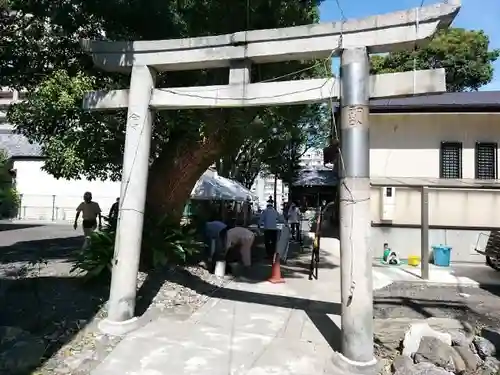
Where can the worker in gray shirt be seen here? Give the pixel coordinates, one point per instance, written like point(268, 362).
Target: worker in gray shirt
point(269, 222)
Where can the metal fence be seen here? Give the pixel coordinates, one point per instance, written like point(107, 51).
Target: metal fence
point(56, 207)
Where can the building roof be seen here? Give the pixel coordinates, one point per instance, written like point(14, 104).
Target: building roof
point(473, 101)
point(18, 146)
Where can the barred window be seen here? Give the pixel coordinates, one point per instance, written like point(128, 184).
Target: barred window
point(450, 160)
point(486, 160)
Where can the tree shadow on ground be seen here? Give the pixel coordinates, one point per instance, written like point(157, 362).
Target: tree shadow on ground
point(51, 308)
point(4, 227)
point(317, 311)
point(48, 302)
point(49, 249)
point(493, 289)
point(55, 308)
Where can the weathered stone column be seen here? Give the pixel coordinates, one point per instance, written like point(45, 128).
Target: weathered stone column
point(355, 254)
point(122, 298)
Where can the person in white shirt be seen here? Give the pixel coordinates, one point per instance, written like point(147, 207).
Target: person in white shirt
point(90, 212)
point(244, 238)
point(269, 222)
point(294, 220)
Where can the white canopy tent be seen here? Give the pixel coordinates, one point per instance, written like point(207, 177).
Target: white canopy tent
point(212, 186)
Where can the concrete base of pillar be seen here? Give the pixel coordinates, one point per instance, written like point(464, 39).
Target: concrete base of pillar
point(343, 365)
point(119, 328)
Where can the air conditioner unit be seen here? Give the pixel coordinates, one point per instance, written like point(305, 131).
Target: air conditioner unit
point(388, 203)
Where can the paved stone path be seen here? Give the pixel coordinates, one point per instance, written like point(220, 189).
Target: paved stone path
point(250, 327)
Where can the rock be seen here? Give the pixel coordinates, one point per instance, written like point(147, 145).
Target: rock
point(485, 348)
point(458, 362)
point(384, 366)
point(492, 364)
point(472, 347)
point(472, 361)
point(424, 368)
point(390, 332)
point(461, 338)
point(402, 363)
point(492, 335)
point(438, 353)
point(76, 361)
point(485, 371)
point(413, 336)
point(19, 350)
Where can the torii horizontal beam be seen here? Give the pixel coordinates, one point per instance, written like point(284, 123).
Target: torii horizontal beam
point(381, 33)
point(272, 93)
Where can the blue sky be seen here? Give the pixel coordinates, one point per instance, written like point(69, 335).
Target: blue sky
point(475, 14)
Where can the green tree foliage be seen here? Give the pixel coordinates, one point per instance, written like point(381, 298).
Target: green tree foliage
point(40, 52)
point(465, 55)
point(276, 146)
point(9, 197)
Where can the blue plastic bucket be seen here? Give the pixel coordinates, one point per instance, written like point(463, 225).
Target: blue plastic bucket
point(442, 255)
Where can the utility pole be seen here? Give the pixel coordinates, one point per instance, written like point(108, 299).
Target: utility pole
point(355, 216)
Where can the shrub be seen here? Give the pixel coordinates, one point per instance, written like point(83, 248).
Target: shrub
point(163, 243)
point(96, 260)
point(9, 202)
point(167, 242)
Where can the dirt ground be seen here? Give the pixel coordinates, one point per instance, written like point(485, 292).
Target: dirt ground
point(480, 306)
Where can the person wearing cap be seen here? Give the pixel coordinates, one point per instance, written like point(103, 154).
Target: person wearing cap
point(269, 222)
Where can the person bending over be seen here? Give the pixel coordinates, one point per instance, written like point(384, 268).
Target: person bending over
point(244, 238)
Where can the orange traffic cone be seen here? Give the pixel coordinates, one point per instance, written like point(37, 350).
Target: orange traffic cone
point(276, 271)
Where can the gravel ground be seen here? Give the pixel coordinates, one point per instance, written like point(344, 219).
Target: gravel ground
point(53, 305)
point(64, 312)
point(479, 306)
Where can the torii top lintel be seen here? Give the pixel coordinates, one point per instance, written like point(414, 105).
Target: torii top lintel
point(380, 33)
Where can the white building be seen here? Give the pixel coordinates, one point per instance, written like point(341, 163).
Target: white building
point(450, 139)
point(44, 197)
point(263, 186)
point(312, 158)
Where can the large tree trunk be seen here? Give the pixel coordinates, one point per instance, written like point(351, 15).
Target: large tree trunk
point(174, 174)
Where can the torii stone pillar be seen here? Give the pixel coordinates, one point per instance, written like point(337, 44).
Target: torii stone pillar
point(121, 305)
point(351, 40)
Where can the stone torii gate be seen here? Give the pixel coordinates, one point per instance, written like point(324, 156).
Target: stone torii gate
point(352, 40)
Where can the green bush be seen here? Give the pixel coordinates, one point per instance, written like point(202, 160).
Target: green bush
point(9, 202)
point(163, 243)
point(166, 242)
point(96, 260)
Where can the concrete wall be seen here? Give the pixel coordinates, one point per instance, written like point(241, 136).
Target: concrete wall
point(408, 145)
point(45, 197)
point(406, 241)
point(447, 208)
